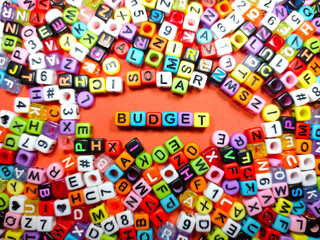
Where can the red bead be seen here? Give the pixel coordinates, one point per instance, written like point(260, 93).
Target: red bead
point(302, 130)
point(3, 133)
point(187, 38)
point(267, 216)
point(61, 229)
point(37, 18)
point(149, 204)
point(121, 48)
point(6, 156)
point(46, 208)
point(208, 50)
point(254, 135)
point(43, 5)
point(212, 156)
point(247, 173)
point(148, 77)
point(208, 3)
point(154, 119)
point(80, 213)
point(296, 66)
point(275, 42)
point(231, 170)
point(59, 189)
point(128, 233)
point(113, 147)
point(176, 18)
point(159, 217)
point(178, 160)
point(51, 45)
point(267, 233)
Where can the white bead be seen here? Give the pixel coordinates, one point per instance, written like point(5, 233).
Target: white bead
point(6, 118)
point(51, 93)
point(91, 195)
point(94, 232)
point(294, 20)
point(138, 15)
point(169, 173)
point(314, 92)
point(198, 80)
point(231, 228)
point(16, 203)
point(36, 61)
point(220, 29)
point(96, 25)
point(271, 129)
point(27, 142)
point(279, 64)
point(33, 45)
point(110, 225)
point(294, 176)
point(191, 22)
point(241, 6)
point(45, 223)
point(106, 191)
point(165, 6)
point(309, 178)
point(186, 222)
point(21, 104)
point(307, 162)
point(114, 84)
point(112, 27)
point(273, 145)
point(75, 3)
point(213, 192)
point(67, 96)
point(79, 52)
point(280, 2)
point(168, 30)
point(1, 29)
point(92, 178)
point(125, 219)
point(203, 222)
point(234, 20)
point(263, 181)
point(62, 207)
point(46, 77)
point(164, 79)
point(74, 181)
point(29, 223)
point(267, 6)
point(53, 14)
point(223, 46)
point(45, 144)
point(85, 163)
point(129, 4)
point(70, 112)
point(270, 21)
point(299, 96)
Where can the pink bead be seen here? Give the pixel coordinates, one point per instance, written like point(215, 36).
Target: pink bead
point(274, 162)
point(114, 4)
point(20, 55)
point(266, 197)
point(308, 2)
point(36, 175)
point(220, 138)
point(132, 201)
point(255, 105)
point(289, 80)
point(28, 5)
point(55, 171)
point(141, 188)
point(252, 205)
point(103, 162)
point(27, 32)
point(66, 142)
point(227, 63)
point(298, 223)
point(12, 220)
point(214, 174)
point(85, 14)
point(280, 189)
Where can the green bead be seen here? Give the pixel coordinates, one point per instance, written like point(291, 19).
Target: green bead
point(3, 184)
point(94, 4)
point(288, 52)
point(83, 130)
point(153, 58)
point(199, 165)
point(313, 44)
point(283, 30)
point(109, 237)
point(89, 39)
point(9, 43)
point(143, 160)
point(18, 125)
point(70, 15)
point(22, 16)
point(160, 154)
point(11, 142)
point(173, 145)
point(161, 189)
point(4, 199)
point(179, 86)
point(217, 233)
point(180, 5)
point(318, 182)
point(35, 126)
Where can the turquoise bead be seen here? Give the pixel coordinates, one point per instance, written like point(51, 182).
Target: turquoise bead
point(145, 234)
point(298, 208)
point(2, 74)
point(138, 119)
point(70, 237)
point(248, 188)
point(295, 41)
point(6, 172)
point(171, 64)
point(169, 119)
point(306, 12)
point(315, 131)
point(78, 29)
point(204, 35)
point(135, 57)
point(110, 174)
point(169, 203)
point(318, 78)
point(15, 2)
point(281, 223)
point(250, 226)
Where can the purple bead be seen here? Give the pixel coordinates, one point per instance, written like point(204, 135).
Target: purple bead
point(286, 237)
point(208, 18)
point(315, 147)
point(238, 141)
point(281, 12)
point(20, 172)
point(314, 208)
point(231, 187)
point(230, 87)
point(7, 13)
point(79, 227)
point(26, 158)
point(68, 127)
point(185, 119)
point(51, 130)
point(316, 22)
point(70, 65)
point(253, 46)
point(36, 94)
point(167, 231)
point(85, 99)
point(11, 84)
point(127, 32)
point(31, 235)
point(53, 61)
point(182, 235)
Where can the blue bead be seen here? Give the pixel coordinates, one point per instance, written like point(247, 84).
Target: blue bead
point(204, 35)
point(169, 203)
point(2, 74)
point(248, 188)
point(306, 12)
point(311, 194)
point(78, 29)
point(70, 237)
point(281, 223)
point(135, 57)
point(315, 131)
point(145, 234)
point(278, 174)
point(167, 231)
point(171, 64)
point(252, 62)
point(138, 119)
point(169, 119)
point(6, 172)
point(11, 84)
point(20, 172)
point(15, 2)
point(295, 41)
point(313, 238)
point(114, 173)
point(298, 207)
point(250, 226)
point(318, 78)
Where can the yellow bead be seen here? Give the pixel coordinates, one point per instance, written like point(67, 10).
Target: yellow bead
point(238, 39)
point(122, 15)
point(122, 119)
point(298, 236)
point(306, 79)
point(237, 212)
point(98, 213)
point(111, 66)
point(217, 233)
point(301, 113)
point(282, 206)
point(97, 85)
point(195, 8)
point(185, 69)
point(31, 207)
point(14, 234)
point(201, 119)
point(288, 141)
point(258, 150)
point(189, 198)
point(149, 4)
point(283, 30)
point(270, 113)
point(240, 73)
point(204, 205)
point(15, 187)
point(174, 49)
point(67, 41)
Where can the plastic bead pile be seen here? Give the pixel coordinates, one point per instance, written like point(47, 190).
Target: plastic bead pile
point(262, 183)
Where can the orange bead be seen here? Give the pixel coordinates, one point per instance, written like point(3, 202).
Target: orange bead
point(253, 14)
point(90, 68)
point(198, 184)
point(69, 162)
point(261, 165)
point(225, 203)
point(133, 79)
point(76, 198)
point(158, 43)
point(317, 166)
point(31, 190)
point(147, 29)
point(191, 150)
point(141, 221)
point(304, 146)
point(124, 161)
point(54, 113)
point(223, 8)
point(306, 30)
point(289, 159)
point(123, 186)
point(219, 217)
point(114, 205)
point(242, 97)
point(151, 175)
point(3, 133)
point(254, 82)
point(314, 67)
